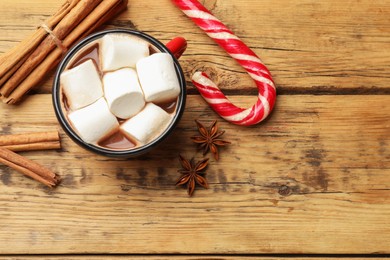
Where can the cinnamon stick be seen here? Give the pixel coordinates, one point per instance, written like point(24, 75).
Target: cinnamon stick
point(11, 71)
point(102, 13)
point(31, 141)
point(67, 24)
point(24, 49)
point(28, 167)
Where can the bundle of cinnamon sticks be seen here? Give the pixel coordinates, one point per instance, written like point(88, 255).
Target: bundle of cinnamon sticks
point(9, 144)
point(24, 66)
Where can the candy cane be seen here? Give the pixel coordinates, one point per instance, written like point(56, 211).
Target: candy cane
point(244, 56)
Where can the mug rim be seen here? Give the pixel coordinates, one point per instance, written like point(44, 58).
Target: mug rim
point(61, 117)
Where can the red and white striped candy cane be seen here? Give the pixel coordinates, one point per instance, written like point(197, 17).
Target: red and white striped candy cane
point(244, 56)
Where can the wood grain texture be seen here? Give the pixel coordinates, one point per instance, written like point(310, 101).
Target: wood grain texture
point(309, 46)
point(312, 179)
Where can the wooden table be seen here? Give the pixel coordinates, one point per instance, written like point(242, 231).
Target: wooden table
point(313, 180)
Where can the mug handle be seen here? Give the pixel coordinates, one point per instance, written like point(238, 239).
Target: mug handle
point(177, 46)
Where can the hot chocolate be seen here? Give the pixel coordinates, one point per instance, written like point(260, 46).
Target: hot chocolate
point(119, 92)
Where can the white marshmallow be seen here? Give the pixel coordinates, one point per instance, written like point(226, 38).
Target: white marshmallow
point(82, 85)
point(123, 92)
point(120, 50)
point(148, 123)
point(158, 78)
point(94, 122)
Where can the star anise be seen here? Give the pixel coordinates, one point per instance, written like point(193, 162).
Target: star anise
point(192, 174)
point(209, 140)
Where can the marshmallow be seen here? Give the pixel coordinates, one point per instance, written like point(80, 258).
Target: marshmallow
point(147, 124)
point(123, 92)
point(120, 50)
point(94, 122)
point(82, 85)
point(158, 78)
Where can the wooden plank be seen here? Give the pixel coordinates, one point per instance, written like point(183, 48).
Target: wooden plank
point(312, 179)
point(309, 46)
